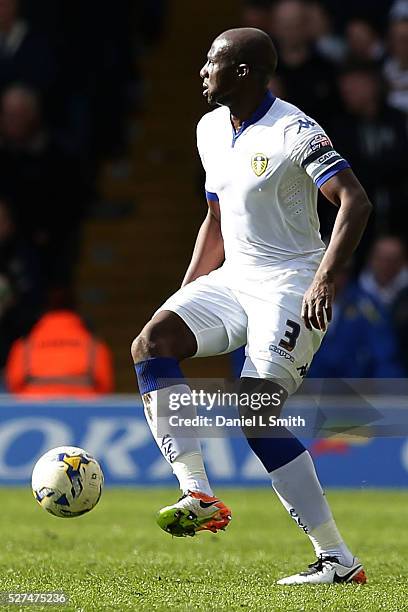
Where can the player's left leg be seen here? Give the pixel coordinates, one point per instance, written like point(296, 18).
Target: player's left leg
point(278, 349)
point(202, 318)
point(156, 352)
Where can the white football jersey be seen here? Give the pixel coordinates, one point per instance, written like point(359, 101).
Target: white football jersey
point(266, 178)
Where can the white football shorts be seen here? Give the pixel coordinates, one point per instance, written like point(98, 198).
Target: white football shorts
point(262, 314)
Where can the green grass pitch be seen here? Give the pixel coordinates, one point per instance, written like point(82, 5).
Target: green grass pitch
point(116, 558)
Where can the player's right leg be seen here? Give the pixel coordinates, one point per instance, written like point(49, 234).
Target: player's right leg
point(189, 324)
point(280, 350)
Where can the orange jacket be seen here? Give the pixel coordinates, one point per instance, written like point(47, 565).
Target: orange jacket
point(58, 358)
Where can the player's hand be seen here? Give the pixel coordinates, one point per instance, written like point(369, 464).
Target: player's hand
point(317, 304)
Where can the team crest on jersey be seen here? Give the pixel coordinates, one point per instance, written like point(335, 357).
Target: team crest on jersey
point(259, 163)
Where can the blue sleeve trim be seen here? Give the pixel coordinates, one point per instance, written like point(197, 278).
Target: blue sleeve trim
point(210, 195)
point(341, 165)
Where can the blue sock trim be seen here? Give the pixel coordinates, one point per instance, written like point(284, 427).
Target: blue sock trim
point(155, 373)
point(275, 452)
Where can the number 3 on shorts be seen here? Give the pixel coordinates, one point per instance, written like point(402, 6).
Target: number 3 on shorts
point(291, 335)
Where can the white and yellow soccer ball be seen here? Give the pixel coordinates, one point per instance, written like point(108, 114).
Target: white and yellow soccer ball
point(67, 481)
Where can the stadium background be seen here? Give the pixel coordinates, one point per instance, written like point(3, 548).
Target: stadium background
point(109, 206)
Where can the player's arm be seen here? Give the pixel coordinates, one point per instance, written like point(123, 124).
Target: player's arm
point(345, 192)
point(208, 252)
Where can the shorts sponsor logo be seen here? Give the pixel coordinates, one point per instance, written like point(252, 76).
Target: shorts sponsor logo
point(259, 163)
point(320, 141)
point(303, 370)
point(275, 349)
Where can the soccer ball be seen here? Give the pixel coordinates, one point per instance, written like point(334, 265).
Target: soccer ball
point(67, 481)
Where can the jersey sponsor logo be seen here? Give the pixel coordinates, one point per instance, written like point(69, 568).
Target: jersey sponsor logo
point(320, 141)
point(259, 163)
point(305, 124)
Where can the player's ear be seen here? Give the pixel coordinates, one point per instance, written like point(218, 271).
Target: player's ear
point(243, 70)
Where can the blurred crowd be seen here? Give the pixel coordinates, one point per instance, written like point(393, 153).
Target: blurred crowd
point(69, 82)
point(346, 65)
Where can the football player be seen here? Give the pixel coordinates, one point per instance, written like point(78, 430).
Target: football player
point(260, 276)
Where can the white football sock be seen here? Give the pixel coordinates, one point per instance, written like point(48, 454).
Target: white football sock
point(299, 490)
point(190, 471)
point(327, 541)
point(183, 454)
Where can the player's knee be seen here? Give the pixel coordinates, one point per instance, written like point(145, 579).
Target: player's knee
point(149, 343)
point(160, 339)
point(139, 349)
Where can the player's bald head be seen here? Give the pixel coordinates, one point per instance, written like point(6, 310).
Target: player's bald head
point(248, 46)
point(239, 66)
